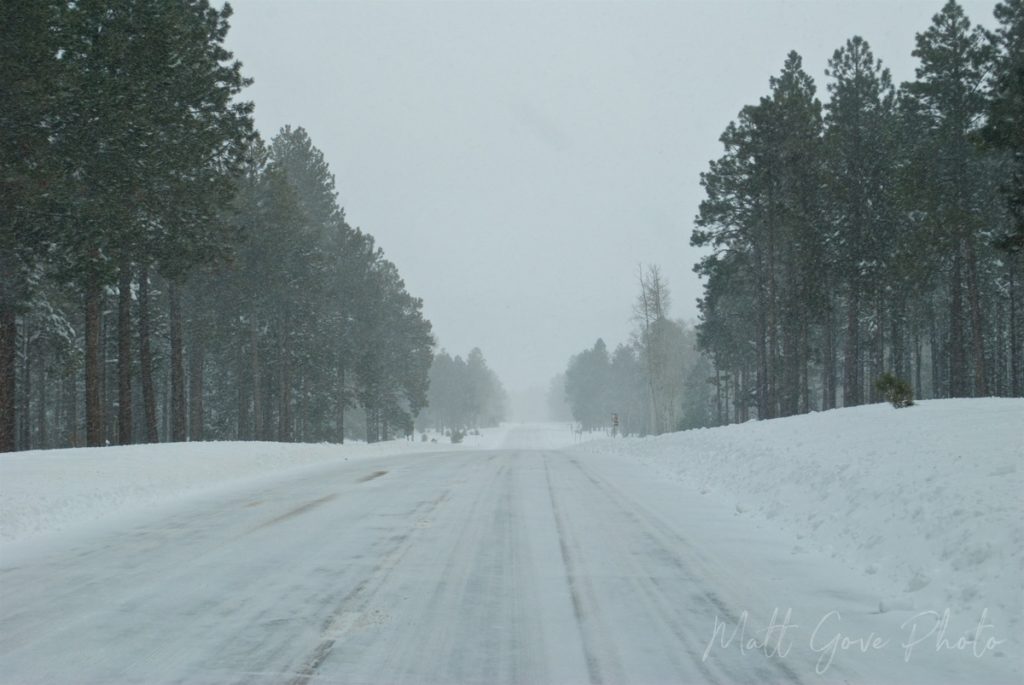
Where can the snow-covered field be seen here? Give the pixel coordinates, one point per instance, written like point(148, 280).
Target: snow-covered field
point(930, 499)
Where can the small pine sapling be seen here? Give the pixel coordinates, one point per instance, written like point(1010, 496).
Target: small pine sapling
point(896, 391)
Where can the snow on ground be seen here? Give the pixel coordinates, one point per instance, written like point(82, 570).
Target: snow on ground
point(44, 491)
point(531, 436)
point(924, 502)
point(858, 520)
point(929, 499)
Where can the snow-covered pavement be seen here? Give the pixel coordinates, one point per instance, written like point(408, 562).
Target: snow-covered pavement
point(514, 564)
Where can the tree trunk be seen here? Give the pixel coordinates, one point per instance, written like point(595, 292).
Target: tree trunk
point(718, 396)
point(124, 355)
point(25, 440)
point(146, 359)
point(108, 385)
point(725, 403)
point(852, 382)
point(737, 398)
point(746, 393)
point(71, 409)
point(977, 340)
point(878, 347)
point(828, 383)
point(178, 430)
point(93, 365)
point(242, 422)
point(284, 432)
point(42, 432)
point(303, 427)
point(341, 406)
point(257, 405)
point(196, 361)
point(165, 416)
point(790, 394)
point(761, 344)
point(1015, 370)
point(918, 390)
point(896, 344)
point(805, 368)
point(937, 353)
point(957, 353)
point(8, 366)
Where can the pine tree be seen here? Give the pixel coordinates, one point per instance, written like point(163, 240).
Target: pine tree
point(152, 139)
point(950, 90)
point(861, 168)
point(1005, 128)
point(587, 383)
point(30, 78)
point(763, 210)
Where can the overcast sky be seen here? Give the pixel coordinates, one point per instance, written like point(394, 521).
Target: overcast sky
point(519, 160)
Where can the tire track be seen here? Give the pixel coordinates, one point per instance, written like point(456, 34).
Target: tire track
point(666, 540)
point(355, 601)
point(594, 634)
point(437, 651)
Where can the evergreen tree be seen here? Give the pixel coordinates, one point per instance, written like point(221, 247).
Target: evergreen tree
point(950, 91)
point(150, 136)
point(763, 211)
point(463, 394)
point(861, 176)
point(29, 72)
point(587, 383)
point(628, 391)
point(1005, 127)
point(1004, 134)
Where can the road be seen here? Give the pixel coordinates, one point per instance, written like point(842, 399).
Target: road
point(500, 566)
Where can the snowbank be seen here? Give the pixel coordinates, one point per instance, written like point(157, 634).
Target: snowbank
point(929, 497)
point(43, 491)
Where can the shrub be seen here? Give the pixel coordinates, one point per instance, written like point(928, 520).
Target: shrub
point(896, 391)
point(457, 436)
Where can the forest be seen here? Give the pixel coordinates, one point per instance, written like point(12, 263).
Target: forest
point(654, 383)
point(463, 394)
point(168, 275)
point(878, 232)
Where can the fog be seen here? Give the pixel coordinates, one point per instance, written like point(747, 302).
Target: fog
point(518, 161)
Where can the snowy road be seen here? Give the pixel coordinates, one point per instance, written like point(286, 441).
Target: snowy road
point(500, 566)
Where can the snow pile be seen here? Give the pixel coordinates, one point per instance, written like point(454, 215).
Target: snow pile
point(929, 498)
point(49, 490)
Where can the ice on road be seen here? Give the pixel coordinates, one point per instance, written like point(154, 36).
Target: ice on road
point(509, 565)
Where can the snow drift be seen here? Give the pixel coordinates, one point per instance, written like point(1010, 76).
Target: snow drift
point(928, 497)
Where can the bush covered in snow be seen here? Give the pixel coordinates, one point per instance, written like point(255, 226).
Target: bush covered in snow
point(896, 391)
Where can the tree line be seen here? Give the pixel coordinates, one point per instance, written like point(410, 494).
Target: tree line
point(167, 274)
point(463, 394)
point(880, 231)
point(654, 383)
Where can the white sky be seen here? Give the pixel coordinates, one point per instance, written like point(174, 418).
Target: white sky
point(518, 160)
